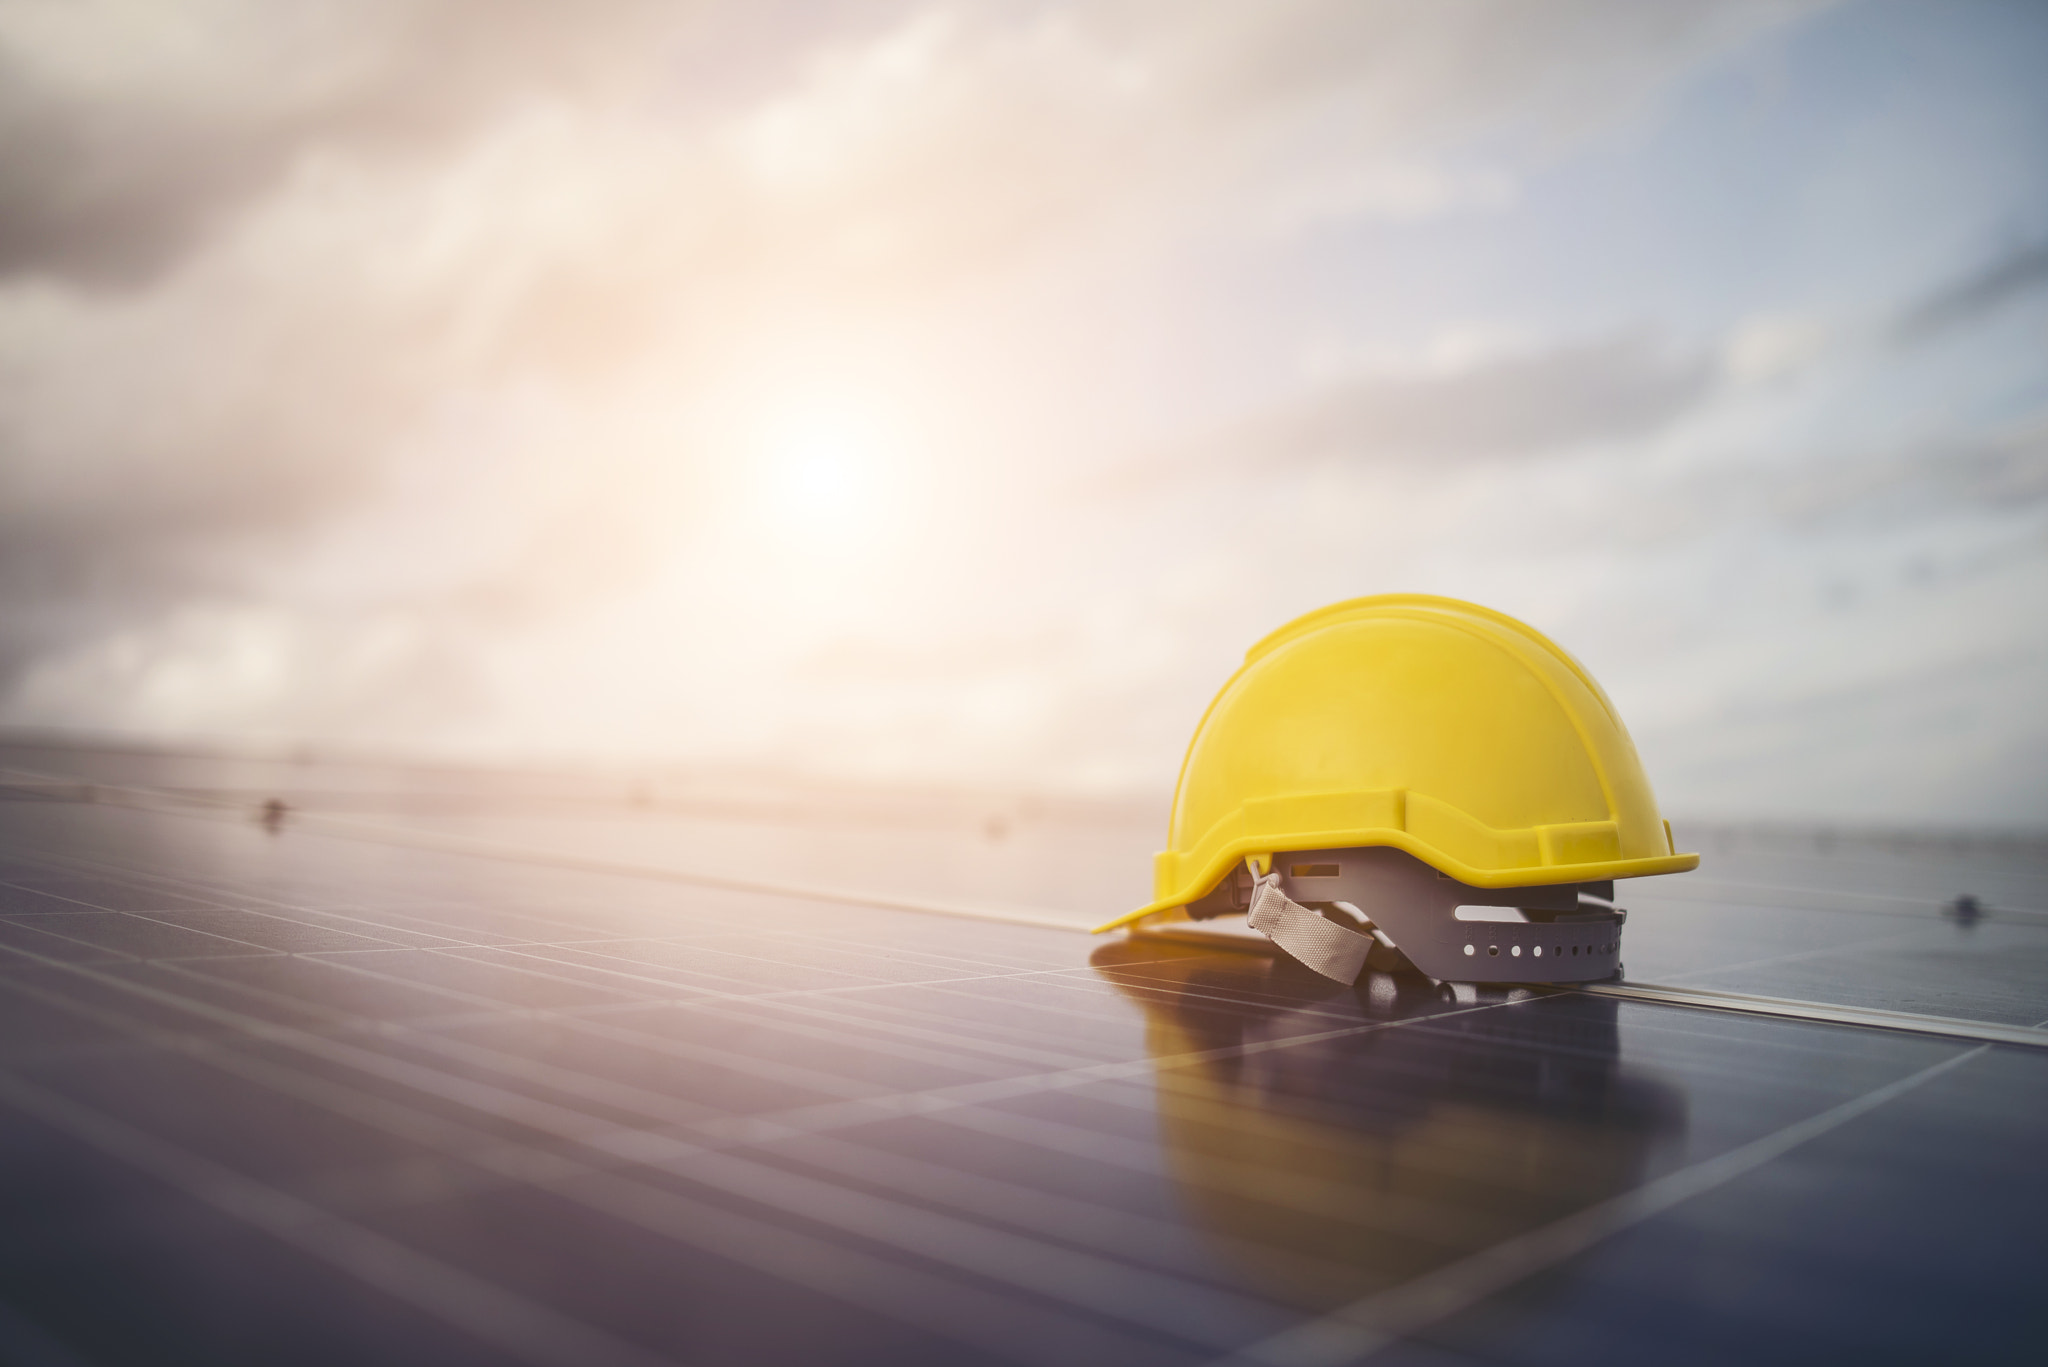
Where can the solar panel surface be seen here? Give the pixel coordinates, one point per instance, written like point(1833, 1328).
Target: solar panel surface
point(447, 1081)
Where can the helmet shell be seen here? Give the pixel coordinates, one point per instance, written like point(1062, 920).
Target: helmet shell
point(1434, 726)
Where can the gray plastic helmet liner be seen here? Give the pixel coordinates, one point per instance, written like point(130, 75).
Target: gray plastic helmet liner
point(1566, 940)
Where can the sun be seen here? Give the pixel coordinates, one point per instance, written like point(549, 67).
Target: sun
point(824, 475)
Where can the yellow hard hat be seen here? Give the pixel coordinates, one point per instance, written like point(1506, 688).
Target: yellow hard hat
point(1435, 727)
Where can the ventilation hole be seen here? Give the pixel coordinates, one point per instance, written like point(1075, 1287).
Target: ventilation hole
point(1468, 949)
point(1314, 871)
point(1516, 951)
point(1538, 951)
point(1575, 949)
point(1494, 950)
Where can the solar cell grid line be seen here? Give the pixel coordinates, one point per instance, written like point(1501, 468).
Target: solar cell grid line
point(1820, 1013)
point(1080, 1062)
point(1246, 1180)
point(404, 1121)
point(1006, 1325)
point(916, 1023)
point(143, 892)
point(1359, 1331)
point(1104, 1287)
point(1811, 890)
point(849, 1072)
point(1076, 985)
point(995, 1324)
point(1834, 950)
point(984, 1206)
point(381, 1063)
point(1136, 1237)
point(492, 849)
point(811, 1022)
point(1098, 1273)
point(384, 925)
point(124, 933)
point(957, 1058)
point(537, 1113)
point(701, 927)
point(709, 970)
point(308, 990)
point(916, 967)
point(1991, 985)
point(434, 1039)
point(731, 1172)
point(629, 959)
point(219, 895)
point(1757, 1062)
point(707, 998)
point(1416, 1224)
point(699, 999)
point(1928, 876)
point(909, 949)
point(469, 927)
point(607, 955)
point(461, 963)
point(83, 927)
point(102, 893)
point(838, 999)
point(1048, 1036)
point(1022, 1034)
point(944, 1102)
point(980, 1107)
point(529, 1331)
point(60, 898)
point(850, 1155)
point(1797, 897)
point(207, 971)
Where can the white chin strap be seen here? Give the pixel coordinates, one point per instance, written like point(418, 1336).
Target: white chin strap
point(1322, 944)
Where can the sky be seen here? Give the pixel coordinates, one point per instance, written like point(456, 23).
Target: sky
point(949, 393)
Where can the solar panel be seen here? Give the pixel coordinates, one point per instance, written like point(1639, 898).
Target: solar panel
point(462, 1085)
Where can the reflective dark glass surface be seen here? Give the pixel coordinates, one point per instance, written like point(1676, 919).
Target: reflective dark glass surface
point(369, 1094)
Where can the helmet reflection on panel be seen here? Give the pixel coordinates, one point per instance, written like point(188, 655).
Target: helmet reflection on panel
point(1324, 1160)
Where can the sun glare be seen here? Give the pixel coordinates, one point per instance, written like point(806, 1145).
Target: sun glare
point(825, 477)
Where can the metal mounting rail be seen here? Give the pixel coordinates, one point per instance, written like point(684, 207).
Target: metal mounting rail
point(1948, 1027)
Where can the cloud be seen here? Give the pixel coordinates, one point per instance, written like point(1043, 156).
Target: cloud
point(1526, 402)
point(131, 133)
point(1607, 389)
point(1974, 295)
point(1998, 473)
point(421, 373)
